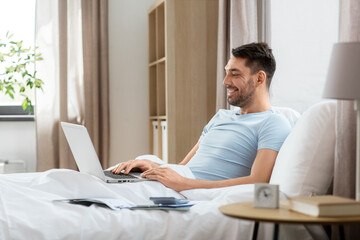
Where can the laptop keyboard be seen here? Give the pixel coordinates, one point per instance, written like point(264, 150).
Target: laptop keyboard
point(119, 176)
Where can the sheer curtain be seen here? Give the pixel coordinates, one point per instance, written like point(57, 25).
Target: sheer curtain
point(238, 25)
point(72, 35)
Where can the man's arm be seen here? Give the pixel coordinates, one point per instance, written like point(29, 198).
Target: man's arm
point(144, 164)
point(190, 154)
point(260, 172)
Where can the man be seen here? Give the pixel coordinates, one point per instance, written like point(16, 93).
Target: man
point(236, 147)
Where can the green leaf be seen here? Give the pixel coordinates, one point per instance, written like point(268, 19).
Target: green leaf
point(25, 103)
point(10, 88)
point(10, 69)
point(30, 84)
point(31, 109)
point(19, 44)
point(38, 83)
point(9, 93)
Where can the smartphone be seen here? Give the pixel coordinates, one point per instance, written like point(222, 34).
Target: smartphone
point(168, 200)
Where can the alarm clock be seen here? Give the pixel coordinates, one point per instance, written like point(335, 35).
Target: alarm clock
point(266, 195)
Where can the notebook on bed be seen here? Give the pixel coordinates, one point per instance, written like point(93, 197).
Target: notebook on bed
point(86, 158)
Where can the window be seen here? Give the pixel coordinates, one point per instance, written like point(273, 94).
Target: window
point(18, 18)
point(302, 37)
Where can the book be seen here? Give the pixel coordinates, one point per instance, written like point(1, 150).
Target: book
point(325, 206)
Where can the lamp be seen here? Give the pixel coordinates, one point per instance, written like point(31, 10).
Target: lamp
point(343, 82)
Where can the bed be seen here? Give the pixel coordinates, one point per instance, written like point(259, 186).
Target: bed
point(27, 209)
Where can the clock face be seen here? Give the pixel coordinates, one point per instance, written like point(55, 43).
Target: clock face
point(266, 195)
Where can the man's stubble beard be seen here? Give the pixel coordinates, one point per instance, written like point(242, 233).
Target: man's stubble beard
point(244, 99)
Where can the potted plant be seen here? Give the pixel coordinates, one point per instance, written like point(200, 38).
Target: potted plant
point(17, 71)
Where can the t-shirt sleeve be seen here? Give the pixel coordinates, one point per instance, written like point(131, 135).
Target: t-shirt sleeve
point(274, 132)
point(208, 126)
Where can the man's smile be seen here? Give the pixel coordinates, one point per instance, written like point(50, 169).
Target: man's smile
point(232, 90)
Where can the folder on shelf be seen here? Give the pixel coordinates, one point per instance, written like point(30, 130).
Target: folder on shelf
point(164, 141)
point(155, 138)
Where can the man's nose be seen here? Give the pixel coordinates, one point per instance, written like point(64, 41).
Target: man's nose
point(226, 80)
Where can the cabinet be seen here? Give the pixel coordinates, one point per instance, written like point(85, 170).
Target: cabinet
point(182, 74)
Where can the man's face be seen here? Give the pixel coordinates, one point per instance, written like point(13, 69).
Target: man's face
point(239, 83)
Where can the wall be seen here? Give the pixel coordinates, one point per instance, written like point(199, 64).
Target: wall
point(302, 42)
point(17, 142)
point(128, 53)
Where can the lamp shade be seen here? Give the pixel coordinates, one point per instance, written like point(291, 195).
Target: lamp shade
point(343, 78)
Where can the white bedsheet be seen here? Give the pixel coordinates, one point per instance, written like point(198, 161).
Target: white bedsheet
point(27, 210)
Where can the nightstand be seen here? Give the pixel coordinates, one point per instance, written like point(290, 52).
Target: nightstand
point(245, 210)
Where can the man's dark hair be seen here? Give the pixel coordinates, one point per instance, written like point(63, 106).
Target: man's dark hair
point(258, 57)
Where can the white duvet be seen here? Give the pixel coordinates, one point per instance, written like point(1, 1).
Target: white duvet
point(28, 212)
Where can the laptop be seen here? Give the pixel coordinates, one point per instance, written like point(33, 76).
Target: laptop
point(86, 158)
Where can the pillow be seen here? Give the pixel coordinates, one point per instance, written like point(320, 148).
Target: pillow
point(305, 162)
point(290, 114)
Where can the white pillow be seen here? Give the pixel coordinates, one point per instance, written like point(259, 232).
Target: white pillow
point(290, 114)
point(305, 163)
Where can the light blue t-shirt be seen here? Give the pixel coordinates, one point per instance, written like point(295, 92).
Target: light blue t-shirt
point(230, 141)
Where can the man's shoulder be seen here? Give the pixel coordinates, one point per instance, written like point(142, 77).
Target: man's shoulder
point(277, 120)
point(279, 117)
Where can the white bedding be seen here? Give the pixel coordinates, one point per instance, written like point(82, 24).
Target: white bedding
point(27, 210)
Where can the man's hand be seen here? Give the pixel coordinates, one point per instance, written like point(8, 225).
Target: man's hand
point(167, 177)
point(140, 164)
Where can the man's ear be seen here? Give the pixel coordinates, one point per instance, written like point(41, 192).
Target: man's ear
point(261, 78)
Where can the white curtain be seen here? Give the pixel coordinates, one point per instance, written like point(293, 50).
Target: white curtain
point(72, 36)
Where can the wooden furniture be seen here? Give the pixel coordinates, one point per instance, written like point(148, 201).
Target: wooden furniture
point(182, 73)
point(245, 210)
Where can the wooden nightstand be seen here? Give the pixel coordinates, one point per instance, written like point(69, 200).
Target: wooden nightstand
point(245, 210)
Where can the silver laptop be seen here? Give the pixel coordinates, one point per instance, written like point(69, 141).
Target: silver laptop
point(86, 158)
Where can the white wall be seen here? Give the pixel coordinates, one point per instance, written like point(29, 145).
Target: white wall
point(18, 142)
point(128, 57)
point(302, 41)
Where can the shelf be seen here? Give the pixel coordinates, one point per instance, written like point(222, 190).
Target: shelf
point(182, 74)
point(161, 60)
point(158, 117)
